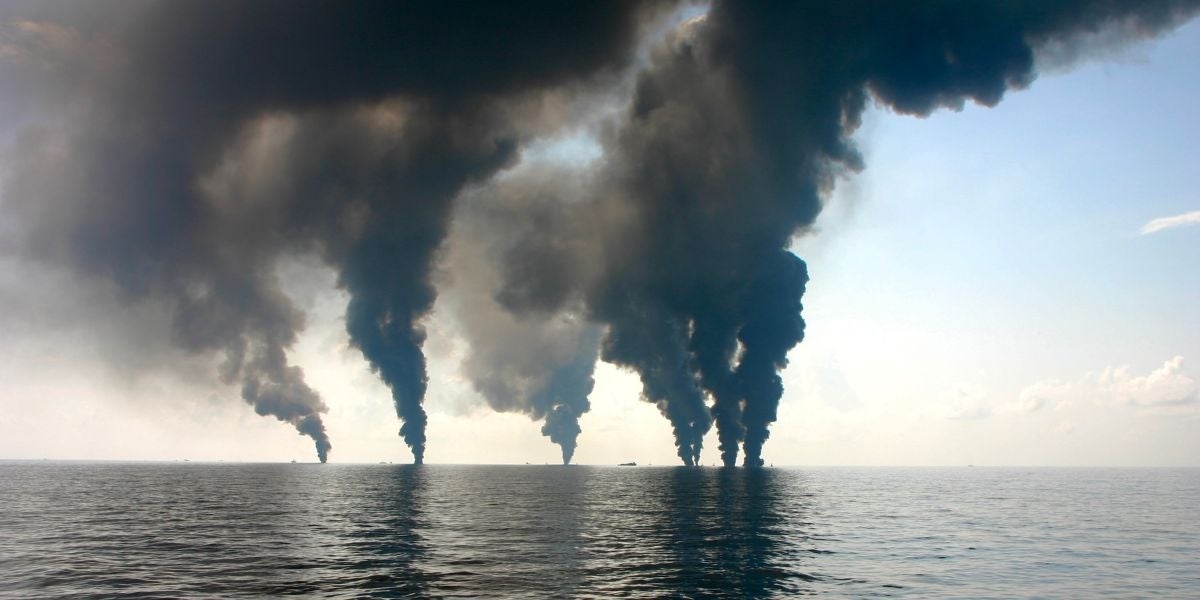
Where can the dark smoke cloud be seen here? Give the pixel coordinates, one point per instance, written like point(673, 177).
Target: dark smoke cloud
point(176, 150)
point(113, 188)
point(737, 130)
point(533, 358)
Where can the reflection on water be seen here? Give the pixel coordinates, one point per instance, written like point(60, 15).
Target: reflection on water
point(384, 541)
point(696, 532)
point(106, 530)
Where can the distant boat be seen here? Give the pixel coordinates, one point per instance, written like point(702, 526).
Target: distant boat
point(628, 464)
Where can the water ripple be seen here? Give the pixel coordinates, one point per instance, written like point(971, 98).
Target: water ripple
point(205, 530)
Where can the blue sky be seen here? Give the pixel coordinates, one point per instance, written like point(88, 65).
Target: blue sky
point(1024, 218)
point(990, 249)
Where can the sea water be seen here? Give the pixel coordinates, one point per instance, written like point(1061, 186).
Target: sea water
point(262, 530)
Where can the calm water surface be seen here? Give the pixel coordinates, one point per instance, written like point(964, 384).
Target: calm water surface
point(223, 530)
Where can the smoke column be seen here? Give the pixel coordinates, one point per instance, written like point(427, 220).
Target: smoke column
point(385, 112)
point(522, 358)
point(737, 129)
point(173, 152)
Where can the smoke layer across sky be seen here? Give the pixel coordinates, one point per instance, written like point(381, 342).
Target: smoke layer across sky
point(171, 154)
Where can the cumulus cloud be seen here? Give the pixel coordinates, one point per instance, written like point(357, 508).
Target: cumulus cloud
point(1167, 387)
point(1164, 223)
point(970, 403)
point(822, 377)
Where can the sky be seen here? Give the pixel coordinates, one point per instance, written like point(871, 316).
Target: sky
point(1007, 285)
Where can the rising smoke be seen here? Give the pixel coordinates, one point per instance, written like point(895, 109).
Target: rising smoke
point(372, 117)
point(533, 354)
point(175, 151)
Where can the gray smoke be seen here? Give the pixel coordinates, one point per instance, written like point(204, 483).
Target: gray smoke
point(387, 111)
point(737, 130)
point(175, 151)
point(522, 357)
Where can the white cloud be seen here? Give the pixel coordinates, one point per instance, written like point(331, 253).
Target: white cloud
point(1163, 388)
point(1053, 393)
point(820, 375)
point(970, 403)
point(1162, 223)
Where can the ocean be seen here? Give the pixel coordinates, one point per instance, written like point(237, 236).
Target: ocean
point(177, 530)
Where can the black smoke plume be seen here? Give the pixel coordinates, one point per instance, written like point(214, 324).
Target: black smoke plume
point(387, 111)
point(175, 150)
point(524, 358)
point(737, 130)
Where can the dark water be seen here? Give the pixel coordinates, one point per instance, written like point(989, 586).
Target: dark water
point(172, 530)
